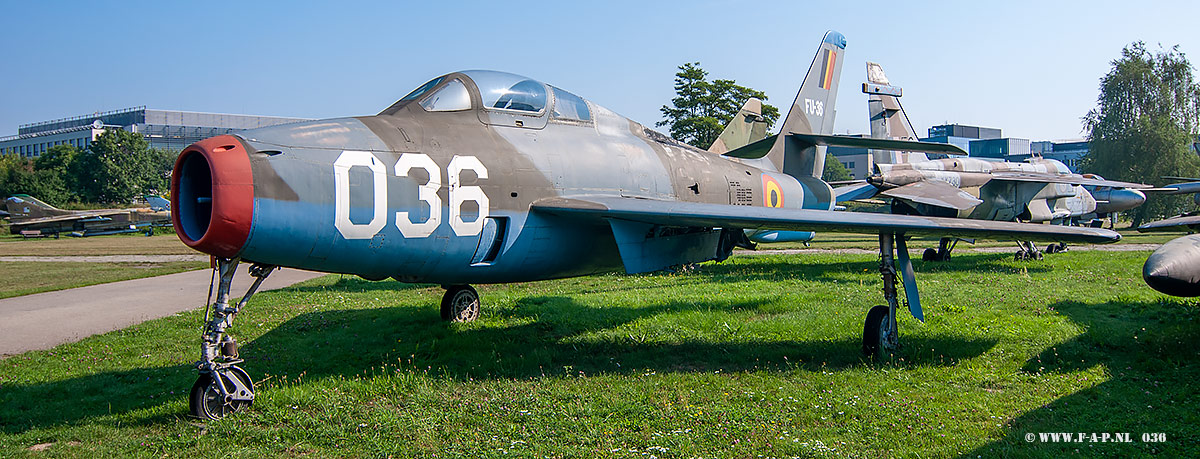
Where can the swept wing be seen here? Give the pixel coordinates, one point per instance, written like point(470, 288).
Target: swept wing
point(692, 214)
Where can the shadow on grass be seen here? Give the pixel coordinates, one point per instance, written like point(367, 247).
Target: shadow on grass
point(1150, 351)
point(793, 266)
point(549, 336)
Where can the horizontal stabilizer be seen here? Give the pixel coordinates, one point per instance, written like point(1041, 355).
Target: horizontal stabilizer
point(599, 210)
point(934, 193)
point(877, 144)
point(855, 192)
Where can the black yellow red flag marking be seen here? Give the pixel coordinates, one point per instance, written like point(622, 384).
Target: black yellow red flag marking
point(772, 192)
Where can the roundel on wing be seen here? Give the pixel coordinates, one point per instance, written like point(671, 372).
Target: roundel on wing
point(772, 192)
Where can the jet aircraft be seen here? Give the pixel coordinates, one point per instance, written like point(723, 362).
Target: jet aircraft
point(490, 177)
point(1038, 190)
point(30, 215)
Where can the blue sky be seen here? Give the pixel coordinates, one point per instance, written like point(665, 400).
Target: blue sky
point(1030, 68)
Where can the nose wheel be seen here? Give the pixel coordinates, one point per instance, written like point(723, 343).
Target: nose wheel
point(221, 393)
point(460, 304)
point(223, 388)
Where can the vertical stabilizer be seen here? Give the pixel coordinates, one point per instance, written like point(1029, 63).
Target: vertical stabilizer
point(746, 127)
point(24, 207)
point(887, 117)
point(812, 113)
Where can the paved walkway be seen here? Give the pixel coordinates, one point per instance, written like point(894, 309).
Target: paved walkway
point(45, 320)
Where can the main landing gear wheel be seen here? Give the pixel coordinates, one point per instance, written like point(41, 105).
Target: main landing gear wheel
point(207, 401)
point(930, 254)
point(460, 304)
point(877, 333)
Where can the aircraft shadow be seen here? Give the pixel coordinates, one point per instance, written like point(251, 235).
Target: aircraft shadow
point(784, 267)
point(550, 336)
point(1151, 354)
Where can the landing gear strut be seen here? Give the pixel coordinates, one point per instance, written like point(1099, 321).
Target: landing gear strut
point(945, 246)
point(1056, 248)
point(1027, 251)
point(460, 304)
point(223, 388)
point(880, 332)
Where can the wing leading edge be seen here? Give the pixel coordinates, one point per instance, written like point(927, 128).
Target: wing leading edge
point(691, 214)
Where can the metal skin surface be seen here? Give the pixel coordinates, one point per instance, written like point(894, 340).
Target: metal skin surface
point(486, 177)
point(1039, 190)
point(30, 214)
point(1174, 269)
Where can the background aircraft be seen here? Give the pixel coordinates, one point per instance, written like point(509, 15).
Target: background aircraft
point(1038, 190)
point(489, 177)
point(32, 216)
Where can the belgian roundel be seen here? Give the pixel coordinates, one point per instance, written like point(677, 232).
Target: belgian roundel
point(772, 192)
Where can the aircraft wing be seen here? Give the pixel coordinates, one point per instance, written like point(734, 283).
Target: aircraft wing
point(95, 216)
point(1072, 179)
point(691, 214)
point(1180, 223)
point(934, 193)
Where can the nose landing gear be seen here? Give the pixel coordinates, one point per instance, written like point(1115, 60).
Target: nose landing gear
point(223, 388)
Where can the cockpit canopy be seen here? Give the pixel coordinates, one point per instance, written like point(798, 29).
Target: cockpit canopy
point(497, 91)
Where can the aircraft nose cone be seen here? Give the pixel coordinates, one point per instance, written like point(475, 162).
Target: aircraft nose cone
point(1118, 200)
point(212, 196)
point(1174, 269)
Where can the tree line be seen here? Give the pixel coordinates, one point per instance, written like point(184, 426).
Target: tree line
point(116, 168)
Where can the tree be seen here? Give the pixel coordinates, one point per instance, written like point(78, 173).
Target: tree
point(701, 109)
point(834, 170)
point(118, 166)
point(1145, 123)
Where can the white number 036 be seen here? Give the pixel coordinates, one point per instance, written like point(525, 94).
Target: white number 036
point(427, 193)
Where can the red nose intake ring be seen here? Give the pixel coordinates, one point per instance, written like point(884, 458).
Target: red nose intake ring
point(212, 196)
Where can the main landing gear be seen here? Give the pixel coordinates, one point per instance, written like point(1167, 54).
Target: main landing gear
point(942, 253)
point(880, 332)
point(1027, 251)
point(223, 388)
point(460, 303)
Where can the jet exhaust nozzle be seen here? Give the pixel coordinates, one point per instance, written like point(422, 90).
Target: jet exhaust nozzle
point(212, 195)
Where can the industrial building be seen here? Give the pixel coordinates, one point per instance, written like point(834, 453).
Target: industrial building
point(167, 129)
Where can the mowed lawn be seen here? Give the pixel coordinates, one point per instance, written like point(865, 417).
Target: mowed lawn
point(754, 356)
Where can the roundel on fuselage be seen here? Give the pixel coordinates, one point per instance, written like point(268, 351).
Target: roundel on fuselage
point(772, 192)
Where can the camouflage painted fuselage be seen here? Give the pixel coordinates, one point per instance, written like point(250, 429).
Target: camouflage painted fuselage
point(1002, 200)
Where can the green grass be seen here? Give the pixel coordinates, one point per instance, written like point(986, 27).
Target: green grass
point(26, 277)
point(117, 244)
point(867, 241)
point(754, 356)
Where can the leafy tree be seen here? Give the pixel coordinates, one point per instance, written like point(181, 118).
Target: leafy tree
point(20, 176)
point(701, 109)
point(834, 170)
point(1145, 123)
point(118, 166)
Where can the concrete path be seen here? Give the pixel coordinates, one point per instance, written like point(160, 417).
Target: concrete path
point(45, 320)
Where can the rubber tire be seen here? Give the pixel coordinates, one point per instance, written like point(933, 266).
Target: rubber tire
point(456, 295)
point(929, 254)
point(197, 396)
point(871, 329)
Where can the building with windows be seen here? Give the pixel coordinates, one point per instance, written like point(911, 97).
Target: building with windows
point(959, 135)
point(166, 129)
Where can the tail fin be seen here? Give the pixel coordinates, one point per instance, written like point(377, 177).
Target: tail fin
point(747, 127)
point(23, 207)
point(812, 113)
point(887, 117)
point(158, 203)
